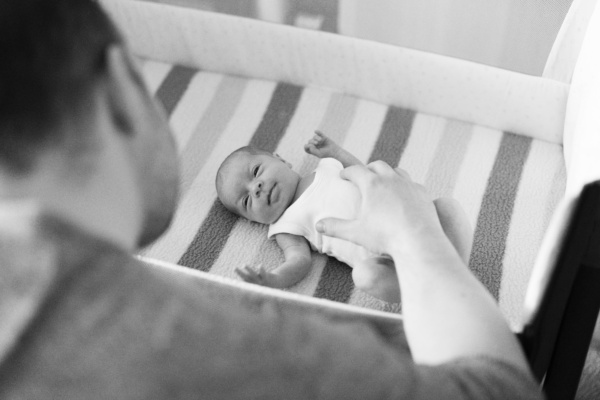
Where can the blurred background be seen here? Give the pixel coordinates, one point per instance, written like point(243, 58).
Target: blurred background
point(512, 34)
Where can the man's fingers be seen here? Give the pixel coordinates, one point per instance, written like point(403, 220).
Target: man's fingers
point(402, 173)
point(357, 174)
point(379, 167)
point(338, 228)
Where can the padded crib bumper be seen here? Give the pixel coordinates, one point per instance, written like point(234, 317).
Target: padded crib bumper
point(386, 74)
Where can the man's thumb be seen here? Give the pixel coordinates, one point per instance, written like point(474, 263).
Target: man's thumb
point(335, 227)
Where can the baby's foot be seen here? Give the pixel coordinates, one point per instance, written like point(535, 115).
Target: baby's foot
point(377, 277)
point(321, 146)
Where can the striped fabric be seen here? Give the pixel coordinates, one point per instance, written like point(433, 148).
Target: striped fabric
point(507, 184)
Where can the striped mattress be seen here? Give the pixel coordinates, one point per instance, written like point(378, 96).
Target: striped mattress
point(508, 184)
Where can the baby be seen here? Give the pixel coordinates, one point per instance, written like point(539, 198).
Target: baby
point(262, 187)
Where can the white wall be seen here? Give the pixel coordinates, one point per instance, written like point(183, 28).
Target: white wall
point(511, 34)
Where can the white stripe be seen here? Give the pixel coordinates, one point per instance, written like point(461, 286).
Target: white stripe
point(528, 223)
point(362, 133)
point(427, 130)
point(307, 118)
point(192, 106)
point(196, 204)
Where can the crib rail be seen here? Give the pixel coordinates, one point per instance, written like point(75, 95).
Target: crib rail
point(403, 77)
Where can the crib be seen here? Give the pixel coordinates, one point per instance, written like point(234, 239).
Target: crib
point(519, 152)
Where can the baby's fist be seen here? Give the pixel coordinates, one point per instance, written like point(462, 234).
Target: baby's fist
point(321, 146)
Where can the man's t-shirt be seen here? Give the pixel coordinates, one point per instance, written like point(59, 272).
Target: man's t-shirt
point(82, 319)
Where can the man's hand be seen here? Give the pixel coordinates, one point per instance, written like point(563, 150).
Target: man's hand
point(258, 276)
point(395, 213)
point(322, 147)
point(448, 314)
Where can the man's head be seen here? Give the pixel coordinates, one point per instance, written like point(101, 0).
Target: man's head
point(256, 184)
point(69, 93)
point(54, 55)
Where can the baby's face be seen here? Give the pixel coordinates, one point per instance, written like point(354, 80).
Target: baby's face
point(259, 187)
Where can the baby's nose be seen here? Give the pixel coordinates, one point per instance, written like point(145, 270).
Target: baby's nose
point(258, 188)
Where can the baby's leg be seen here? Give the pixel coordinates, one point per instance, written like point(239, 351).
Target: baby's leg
point(456, 226)
point(377, 276)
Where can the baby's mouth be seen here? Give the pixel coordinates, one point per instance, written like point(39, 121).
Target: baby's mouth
point(270, 193)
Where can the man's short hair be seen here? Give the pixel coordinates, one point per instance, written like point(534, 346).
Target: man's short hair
point(53, 53)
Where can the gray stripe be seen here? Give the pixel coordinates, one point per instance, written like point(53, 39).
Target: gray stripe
point(449, 155)
point(173, 87)
point(336, 282)
point(493, 222)
point(207, 132)
point(393, 136)
point(210, 238)
point(216, 228)
point(277, 118)
point(339, 116)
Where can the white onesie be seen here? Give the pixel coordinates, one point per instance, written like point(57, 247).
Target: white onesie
point(327, 196)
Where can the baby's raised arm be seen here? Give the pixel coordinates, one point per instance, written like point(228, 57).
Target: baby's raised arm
point(323, 147)
point(295, 267)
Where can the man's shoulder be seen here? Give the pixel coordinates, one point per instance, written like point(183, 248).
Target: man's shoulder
point(101, 315)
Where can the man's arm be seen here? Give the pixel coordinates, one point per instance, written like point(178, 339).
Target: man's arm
point(295, 267)
point(323, 147)
point(448, 314)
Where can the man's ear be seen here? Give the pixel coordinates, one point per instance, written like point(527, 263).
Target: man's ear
point(119, 90)
point(277, 156)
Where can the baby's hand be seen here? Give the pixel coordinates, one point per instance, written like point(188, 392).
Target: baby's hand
point(321, 146)
point(251, 275)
